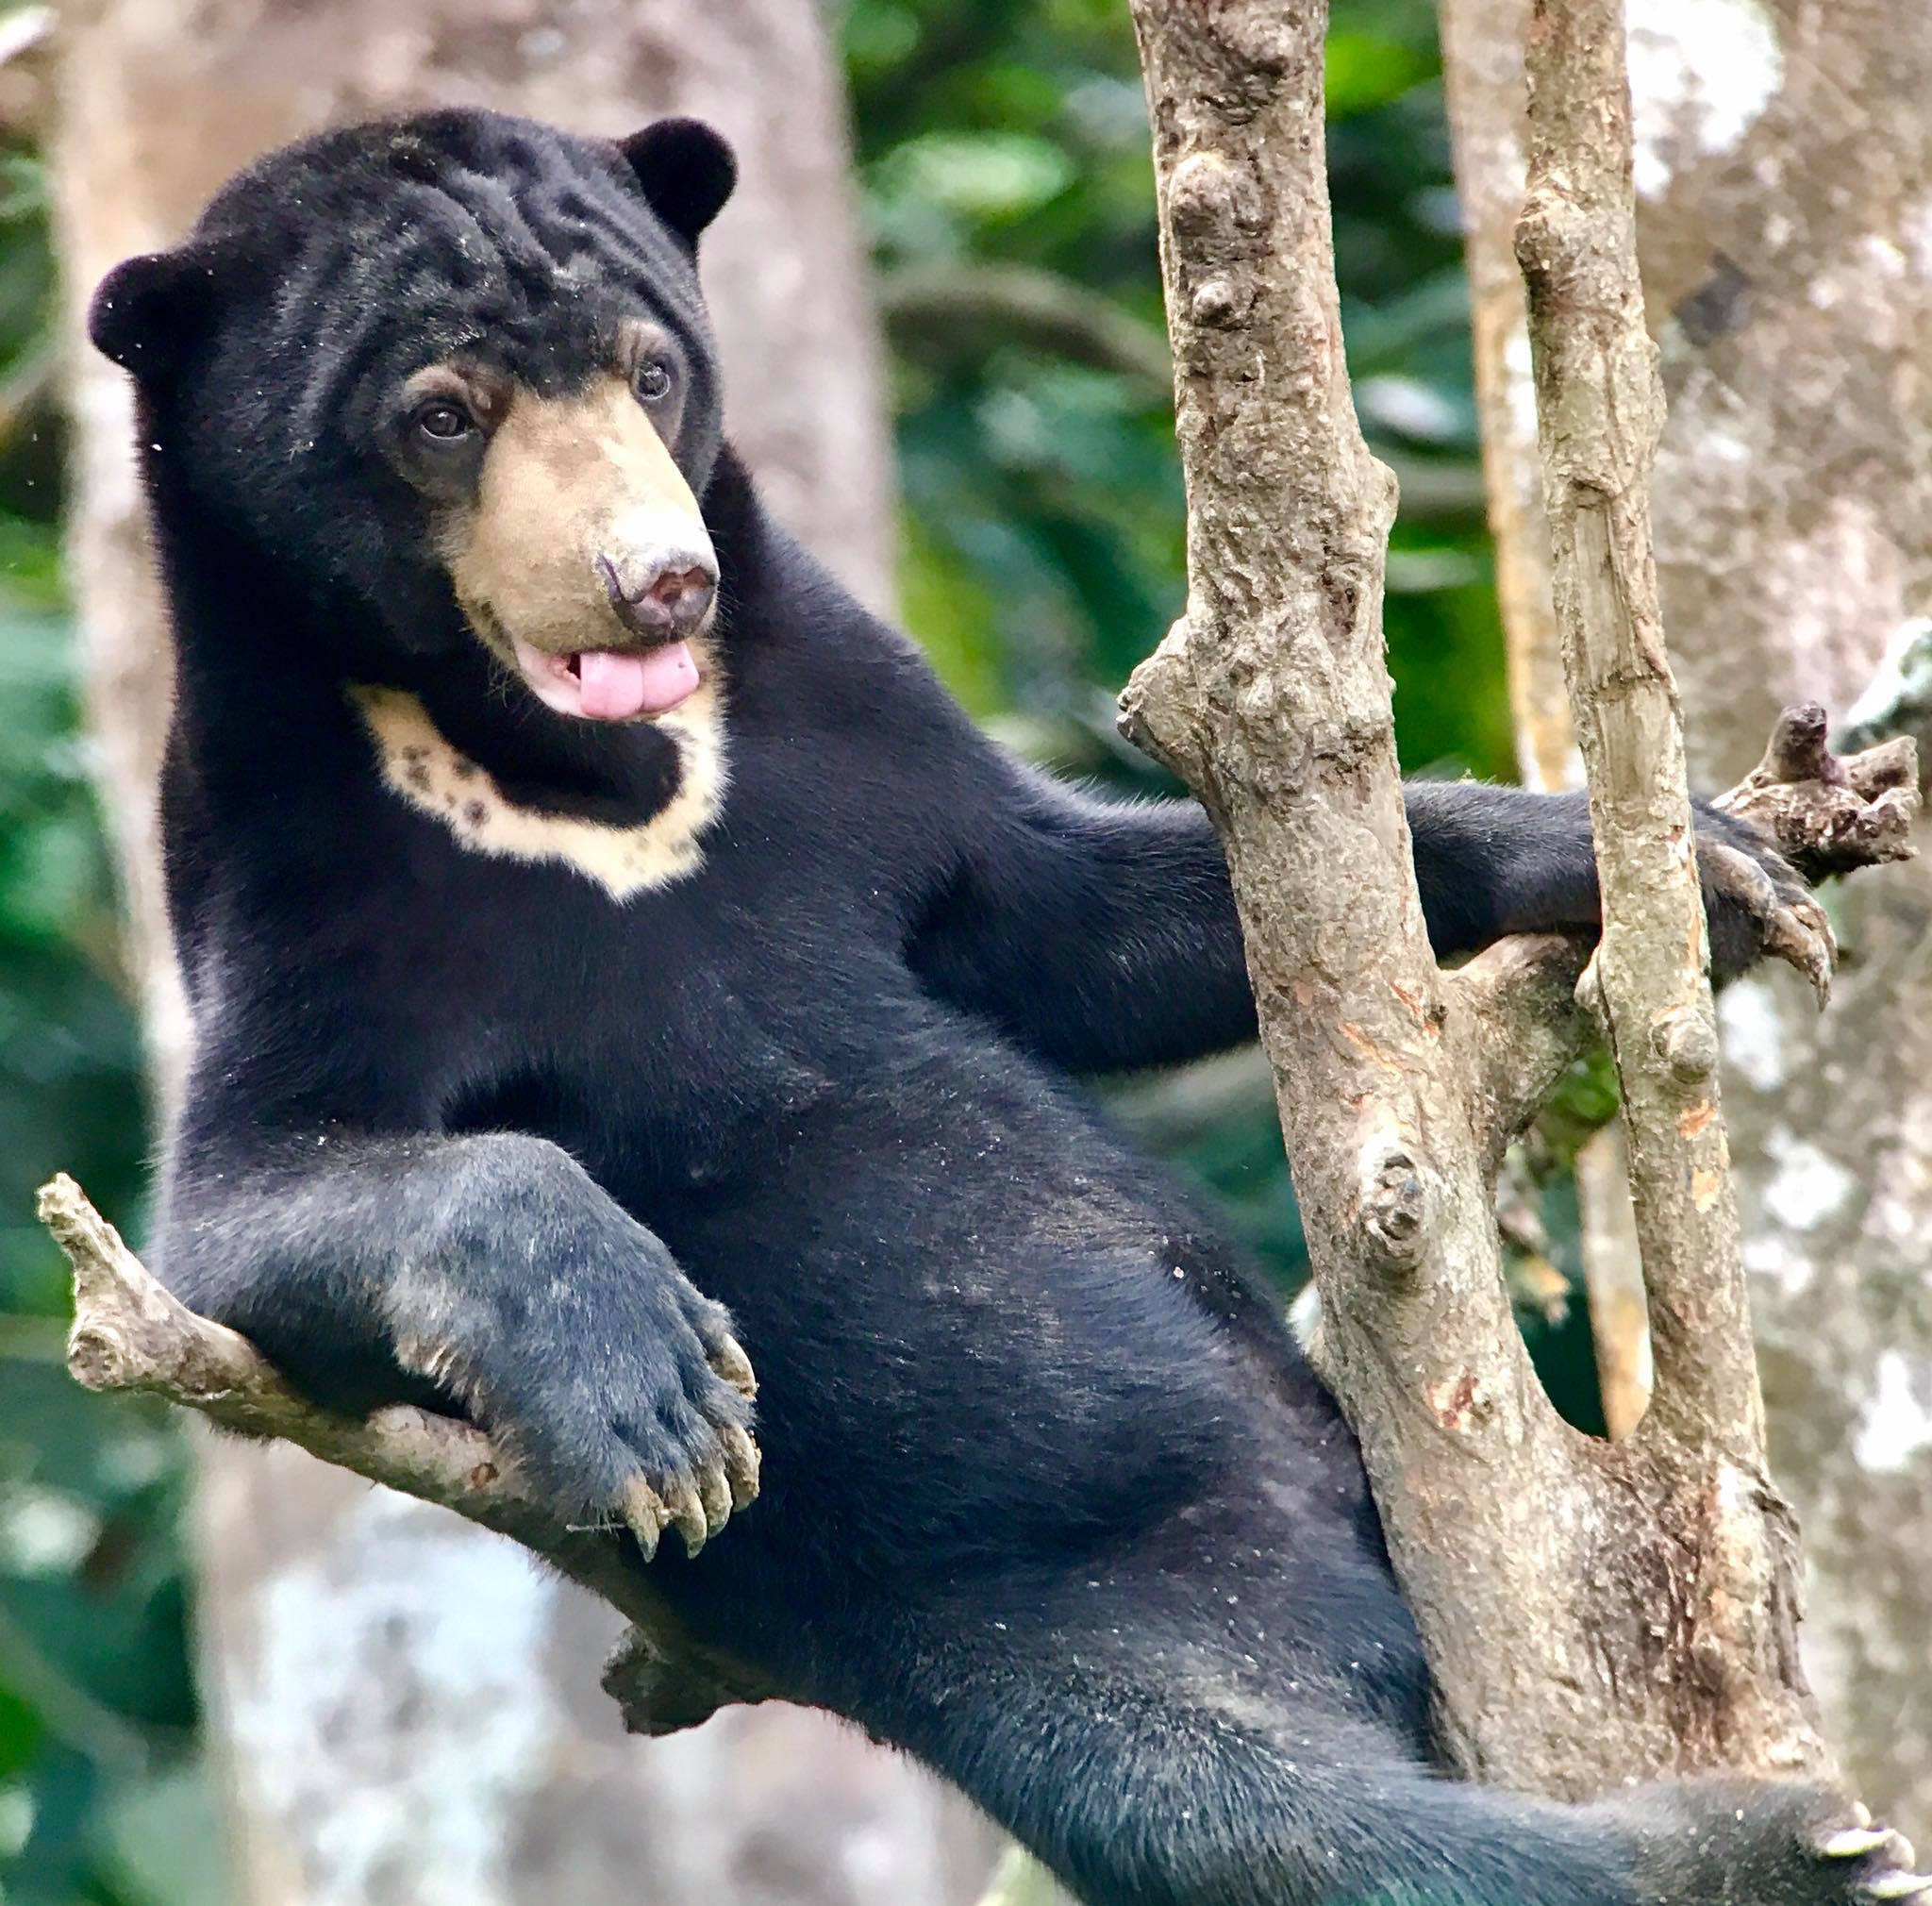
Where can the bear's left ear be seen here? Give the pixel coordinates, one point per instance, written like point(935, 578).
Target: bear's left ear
point(686, 170)
point(149, 311)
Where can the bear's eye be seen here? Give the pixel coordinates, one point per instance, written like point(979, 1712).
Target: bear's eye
point(443, 421)
point(653, 382)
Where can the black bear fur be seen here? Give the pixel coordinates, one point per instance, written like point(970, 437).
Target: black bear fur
point(1051, 1499)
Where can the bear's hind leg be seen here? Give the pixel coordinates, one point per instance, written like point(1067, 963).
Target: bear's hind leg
point(1150, 1770)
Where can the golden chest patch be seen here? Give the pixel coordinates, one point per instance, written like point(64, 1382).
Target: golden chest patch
point(418, 765)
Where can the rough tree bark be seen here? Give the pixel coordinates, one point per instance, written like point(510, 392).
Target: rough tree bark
point(1644, 1585)
point(1483, 80)
point(1600, 412)
point(409, 1707)
point(1786, 235)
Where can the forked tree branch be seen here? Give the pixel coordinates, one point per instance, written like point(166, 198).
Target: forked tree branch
point(1647, 1591)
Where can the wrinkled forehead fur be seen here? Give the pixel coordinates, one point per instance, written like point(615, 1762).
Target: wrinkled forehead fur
point(397, 244)
point(531, 271)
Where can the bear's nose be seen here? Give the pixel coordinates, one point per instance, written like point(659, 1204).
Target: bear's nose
point(662, 600)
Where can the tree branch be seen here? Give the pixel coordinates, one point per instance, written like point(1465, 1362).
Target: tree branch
point(1600, 413)
point(131, 1335)
point(1272, 699)
point(1830, 813)
point(1483, 85)
point(977, 305)
point(1647, 1589)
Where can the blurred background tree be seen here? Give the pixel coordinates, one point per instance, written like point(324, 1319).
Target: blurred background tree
point(1002, 158)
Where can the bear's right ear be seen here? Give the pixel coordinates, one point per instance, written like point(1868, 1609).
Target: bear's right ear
point(686, 170)
point(148, 311)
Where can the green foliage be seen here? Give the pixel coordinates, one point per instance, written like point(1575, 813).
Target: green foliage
point(97, 1711)
point(1003, 155)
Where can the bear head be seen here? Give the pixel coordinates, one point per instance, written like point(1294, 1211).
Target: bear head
point(441, 379)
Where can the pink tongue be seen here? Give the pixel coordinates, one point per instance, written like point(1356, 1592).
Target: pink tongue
point(615, 687)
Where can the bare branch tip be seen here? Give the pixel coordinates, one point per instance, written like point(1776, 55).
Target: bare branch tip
point(1797, 750)
point(106, 1272)
point(63, 1207)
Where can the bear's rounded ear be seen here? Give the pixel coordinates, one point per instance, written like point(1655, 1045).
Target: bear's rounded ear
point(686, 170)
point(148, 311)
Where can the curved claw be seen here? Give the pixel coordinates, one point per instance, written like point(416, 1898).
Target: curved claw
point(1791, 924)
point(688, 1518)
point(714, 1492)
point(1590, 994)
point(1890, 1853)
point(1900, 1886)
point(742, 1464)
point(1854, 1842)
point(1802, 937)
point(644, 1509)
point(728, 1360)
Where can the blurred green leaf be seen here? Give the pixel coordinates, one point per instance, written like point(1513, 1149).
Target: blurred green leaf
point(1366, 69)
point(989, 177)
point(19, 1735)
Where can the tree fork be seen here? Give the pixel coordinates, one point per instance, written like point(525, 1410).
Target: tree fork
point(1646, 1591)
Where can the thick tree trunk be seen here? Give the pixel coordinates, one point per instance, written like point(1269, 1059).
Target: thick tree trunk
point(1785, 225)
point(411, 1708)
point(1271, 697)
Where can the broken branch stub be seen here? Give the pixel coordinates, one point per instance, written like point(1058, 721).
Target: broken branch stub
point(1829, 813)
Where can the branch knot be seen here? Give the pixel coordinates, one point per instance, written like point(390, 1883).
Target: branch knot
point(1394, 1204)
point(97, 1359)
point(1207, 195)
point(1685, 1037)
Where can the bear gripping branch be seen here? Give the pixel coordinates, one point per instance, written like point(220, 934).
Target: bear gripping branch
point(129, 1333)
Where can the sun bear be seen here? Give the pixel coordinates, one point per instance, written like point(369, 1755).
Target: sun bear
point(606, 943)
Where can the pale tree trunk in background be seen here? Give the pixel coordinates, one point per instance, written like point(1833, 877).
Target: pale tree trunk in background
point(1784, 173)
point(410, 1711)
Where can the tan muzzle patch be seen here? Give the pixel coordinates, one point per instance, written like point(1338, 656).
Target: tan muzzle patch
point(580, 512)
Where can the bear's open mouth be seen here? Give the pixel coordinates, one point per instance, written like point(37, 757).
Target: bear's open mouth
point(609, 685)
